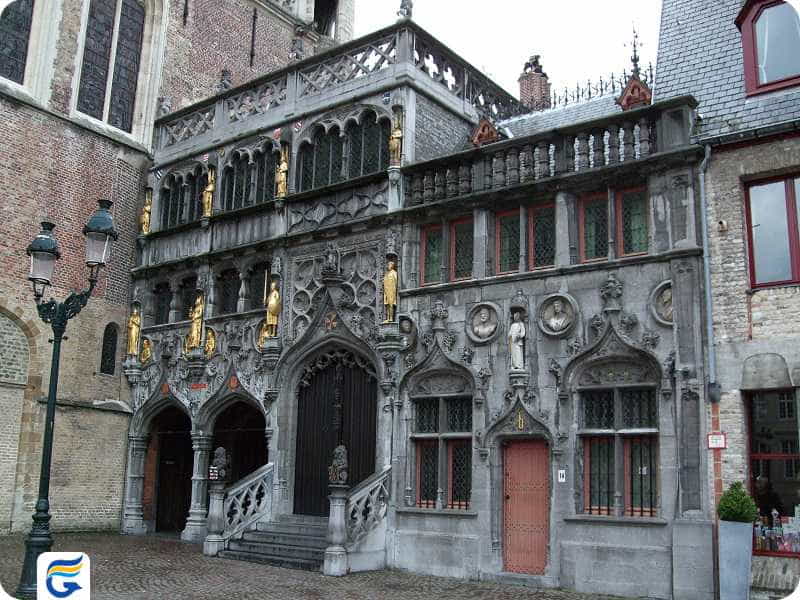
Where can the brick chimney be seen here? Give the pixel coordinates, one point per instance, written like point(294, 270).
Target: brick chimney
point(534, 87)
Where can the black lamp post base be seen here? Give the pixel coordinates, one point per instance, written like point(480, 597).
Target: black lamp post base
point(38, 541)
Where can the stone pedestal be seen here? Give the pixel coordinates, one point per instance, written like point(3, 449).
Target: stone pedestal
point(196, 526)
point(214, 542)
point(272, 349)
point(518, 380)
point(335, 555)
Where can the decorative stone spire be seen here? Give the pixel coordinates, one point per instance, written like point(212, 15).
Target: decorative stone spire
point(637, 92)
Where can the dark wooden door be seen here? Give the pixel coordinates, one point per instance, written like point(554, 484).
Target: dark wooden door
point(338, 406)
point(526, 506)
point(174, 481)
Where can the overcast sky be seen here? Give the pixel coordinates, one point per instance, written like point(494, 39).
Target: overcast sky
point(577, 39)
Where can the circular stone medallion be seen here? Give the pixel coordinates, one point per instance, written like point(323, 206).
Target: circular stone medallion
point(558, 314)
point(483, 322)
point(661, 303)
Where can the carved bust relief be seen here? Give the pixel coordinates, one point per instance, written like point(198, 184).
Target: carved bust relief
point(661, 304)
point(483, 322)
point(558, 314)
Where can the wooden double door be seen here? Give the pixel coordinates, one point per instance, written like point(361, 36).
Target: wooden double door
point(337, 405)
point(526, 506)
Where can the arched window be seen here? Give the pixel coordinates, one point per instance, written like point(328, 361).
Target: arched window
point(321, 162)
point(162, 297)
point(258, 282)
point(196, 182)
point(188, 296)
point(108, 354)
point(172, 202)
point(110, 65)
point(15, 30)
point(368, 145)
point(771, 44)
point(228, 291)
point(266, 163)
point(238, 177)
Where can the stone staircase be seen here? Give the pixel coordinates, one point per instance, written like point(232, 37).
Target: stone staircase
point(293, 541)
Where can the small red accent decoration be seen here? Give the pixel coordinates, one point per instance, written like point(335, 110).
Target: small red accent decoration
point(233, 382)
point(198, 386)
point(165, 389)
point(636, 94)
point(485, 133)
point(331, 321)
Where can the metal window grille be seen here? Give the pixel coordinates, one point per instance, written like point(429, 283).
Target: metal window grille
point(372, 144)
point(322, 162)
point(595, 230)
point(228, 181)
point(108, 354)
point(427, 412)
point(15, 29)
point(163, 297)
point(265, 182)
point(598, 409)
point(544, 237)
point(508, 226)
point(96, 57)
point(427, 472)
point(459, 414)
point(126, 64)
point(634, 222)
point(258, 282)
point(337, 157)
point(462, 250)
point(641, 456)
point(432, 253)
point(188, 296)
point(598, 475)
point(228, 291)
point(639, 409)
point(355, 142)
point(386, 132)
point(459, 473)
point(306, 171)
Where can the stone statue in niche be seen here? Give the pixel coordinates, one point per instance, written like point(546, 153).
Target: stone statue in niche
point(282, 179)
point(331, 264)
point(208, 193)
point(390, 292)
point(273, 303)
point(196, 328)
point(482, 324)
point(211, 343)
point(147, 351)
point(516, 342)
point(134, 330)
point(557, 315)
point(147, 210)
point(396, 141)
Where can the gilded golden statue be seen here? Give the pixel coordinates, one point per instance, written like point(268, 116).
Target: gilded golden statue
point(134, 330)
point(147, 351)
point(273, 304)
point(195, 334)
point(211, 343)
point(147, 209)
point(282, 175)
point(396, 143)
point(390, 292)
point(208, 193)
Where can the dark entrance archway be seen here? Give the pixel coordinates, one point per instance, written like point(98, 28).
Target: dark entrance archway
point(337, 404)
point(168, 471)
point(240, 430)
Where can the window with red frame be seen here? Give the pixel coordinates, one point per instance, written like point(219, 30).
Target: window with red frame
point(507, 240)
point(431, 254)
point(632, 215)
point(771, 44)
point(461, 249)
point(442, 441)
point(542, 235)
point(593, 225)
point(772, 221)
point(775, 472)
point(620, 422)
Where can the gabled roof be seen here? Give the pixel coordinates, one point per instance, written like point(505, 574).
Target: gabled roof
point(700, 53)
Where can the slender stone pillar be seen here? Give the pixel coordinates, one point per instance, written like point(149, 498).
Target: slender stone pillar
point(133, 514)
point(335, 554)
point(196, 529)
point(214, 541)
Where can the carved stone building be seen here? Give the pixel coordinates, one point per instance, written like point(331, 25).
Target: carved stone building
point(521, 399)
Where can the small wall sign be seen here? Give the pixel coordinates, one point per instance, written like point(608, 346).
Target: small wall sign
point(717, 441)
point(562, 476)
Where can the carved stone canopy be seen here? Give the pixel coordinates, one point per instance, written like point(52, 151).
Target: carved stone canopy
point(442, 382)
point(437, 375)
point(485, 133)
point(515, 421)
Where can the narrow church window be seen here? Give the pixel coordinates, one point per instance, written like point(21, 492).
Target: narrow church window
point(632, 215)
point(507, 242)
point(113, 45)
point(266, 164)
point(461, 249)
point(173, 201)
point(368, 145)
point(162, 297)
point(325, 16)
point(15, 31)
point(228, 291)
point(593, 219)
point(258, 283)
point(321, 163)
point(197, 181)
point(188, 296)
point(431, 254)
point(542, 236)
point(237, 185)
point(108, 355)
point(305, 162)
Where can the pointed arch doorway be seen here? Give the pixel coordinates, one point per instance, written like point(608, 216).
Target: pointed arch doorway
point(337, 405)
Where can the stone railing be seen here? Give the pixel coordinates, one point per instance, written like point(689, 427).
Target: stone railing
point(398, 53)
point(366, 505)
point(621, 138)
point(234, 509)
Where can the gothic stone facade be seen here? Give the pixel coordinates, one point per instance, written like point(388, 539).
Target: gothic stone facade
point(547, 344)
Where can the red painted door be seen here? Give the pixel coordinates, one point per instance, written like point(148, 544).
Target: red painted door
point(526, 506)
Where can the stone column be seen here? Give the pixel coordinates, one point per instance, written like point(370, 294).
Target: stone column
point(214, 542)
point(564, 241)
point(335, 554)
point(196, 529)
point(133, 513)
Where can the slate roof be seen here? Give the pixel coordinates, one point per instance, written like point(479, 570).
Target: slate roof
point(560, 117)
point(700, 53)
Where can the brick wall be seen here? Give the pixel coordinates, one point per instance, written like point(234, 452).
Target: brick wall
point(438, 131)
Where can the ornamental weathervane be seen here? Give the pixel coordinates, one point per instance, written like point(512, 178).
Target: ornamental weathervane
point(406, 9)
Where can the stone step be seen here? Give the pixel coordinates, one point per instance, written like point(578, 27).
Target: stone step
point(303, 520)
point(283, 538)
point(274, 560)
point(309, 529)
point(284, 550)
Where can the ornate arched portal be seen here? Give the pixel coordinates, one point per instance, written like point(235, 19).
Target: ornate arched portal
point(337, 405)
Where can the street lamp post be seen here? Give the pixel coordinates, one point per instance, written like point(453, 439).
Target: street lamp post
point(44, 252)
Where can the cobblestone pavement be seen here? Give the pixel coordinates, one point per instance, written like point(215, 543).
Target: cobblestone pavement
point(159, 568)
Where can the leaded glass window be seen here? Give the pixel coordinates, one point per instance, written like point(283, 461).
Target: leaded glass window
point(112, 45)
point(266, 164)
point(442, 441)
point(368, 145)
point(543, 237)
point(594, 220)
point(461, 249)
point(15, 31)
point(507, 231)
point(228, 293)
point(195, 184)
point(431, 253)
point(108, 355)
point(258, 283)
point(305, 174)
point(188, 297)
point(162, 298)
point(633, 220)
point(173, 200)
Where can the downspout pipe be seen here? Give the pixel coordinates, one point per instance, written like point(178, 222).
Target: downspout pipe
point(713, 386)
